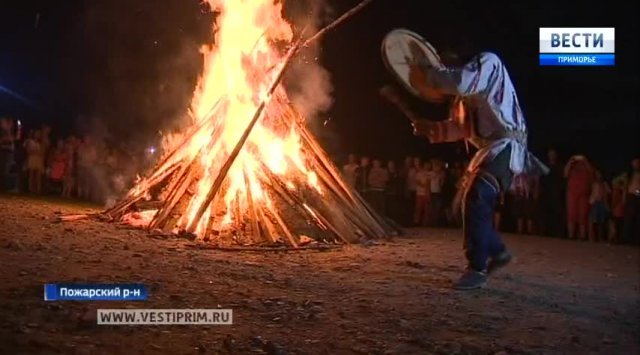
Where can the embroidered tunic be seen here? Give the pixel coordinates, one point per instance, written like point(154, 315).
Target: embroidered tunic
point(487, 108)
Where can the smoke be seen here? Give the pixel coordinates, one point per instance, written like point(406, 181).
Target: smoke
point(131, 69)
point(308, 83)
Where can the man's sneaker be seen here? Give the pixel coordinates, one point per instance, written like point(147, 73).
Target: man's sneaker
point(498, 262)
point(471, 280)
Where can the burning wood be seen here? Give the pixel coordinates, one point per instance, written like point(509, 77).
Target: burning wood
point(248, 171)
point(72, 217)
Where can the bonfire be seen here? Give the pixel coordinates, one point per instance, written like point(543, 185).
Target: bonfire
point(247, 170)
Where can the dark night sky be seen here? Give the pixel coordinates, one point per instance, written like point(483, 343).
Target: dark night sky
point(129, 66)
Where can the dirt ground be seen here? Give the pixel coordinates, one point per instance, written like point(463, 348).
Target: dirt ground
point(395, 298)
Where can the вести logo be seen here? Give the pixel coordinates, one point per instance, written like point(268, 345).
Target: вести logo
point(593, 46)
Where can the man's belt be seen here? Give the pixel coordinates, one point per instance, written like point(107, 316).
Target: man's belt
point(520, 136)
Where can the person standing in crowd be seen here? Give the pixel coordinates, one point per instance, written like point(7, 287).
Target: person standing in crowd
point(552, 197)
point(377, 182)
point(45, 148)
point(436, 182)
point(7, 147)
point(58, 161)
point(68, 180)
point(617, 210)
point(412, 185)
point(350, 170)
point(405, 211)
point(35, 161)
point(524, 193)
point(87, 158)
point(393, 193)
point(598, 208)
point(363, 176)
point(423, 194)
point(631, 222)
point(579, 175)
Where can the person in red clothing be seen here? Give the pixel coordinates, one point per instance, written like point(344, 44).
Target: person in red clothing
point(58, 160)
point(579, 175)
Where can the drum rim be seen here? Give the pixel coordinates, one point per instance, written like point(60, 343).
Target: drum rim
point(385, 57)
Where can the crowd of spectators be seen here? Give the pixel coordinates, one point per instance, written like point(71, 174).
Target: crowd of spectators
point(573, 201)
point(36, 163)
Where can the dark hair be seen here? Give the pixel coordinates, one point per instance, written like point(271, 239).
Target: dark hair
point(458, 54)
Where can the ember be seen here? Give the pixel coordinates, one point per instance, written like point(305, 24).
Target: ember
point(248, 171)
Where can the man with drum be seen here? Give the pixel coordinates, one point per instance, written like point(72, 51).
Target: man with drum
point(485, 112)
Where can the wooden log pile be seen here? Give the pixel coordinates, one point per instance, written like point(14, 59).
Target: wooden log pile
point(285, 210)
point(337, 214)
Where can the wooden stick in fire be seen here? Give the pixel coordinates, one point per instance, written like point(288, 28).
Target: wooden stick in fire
point(337, 21)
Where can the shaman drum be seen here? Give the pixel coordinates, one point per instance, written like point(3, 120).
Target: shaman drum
point(401, 49)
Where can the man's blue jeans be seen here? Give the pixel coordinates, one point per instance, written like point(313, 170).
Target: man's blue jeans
point(481, 240)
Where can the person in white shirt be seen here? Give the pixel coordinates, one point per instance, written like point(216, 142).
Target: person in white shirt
point(35, 161)
point(350, 170)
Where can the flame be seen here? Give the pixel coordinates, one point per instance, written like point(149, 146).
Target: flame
point(239, 67)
